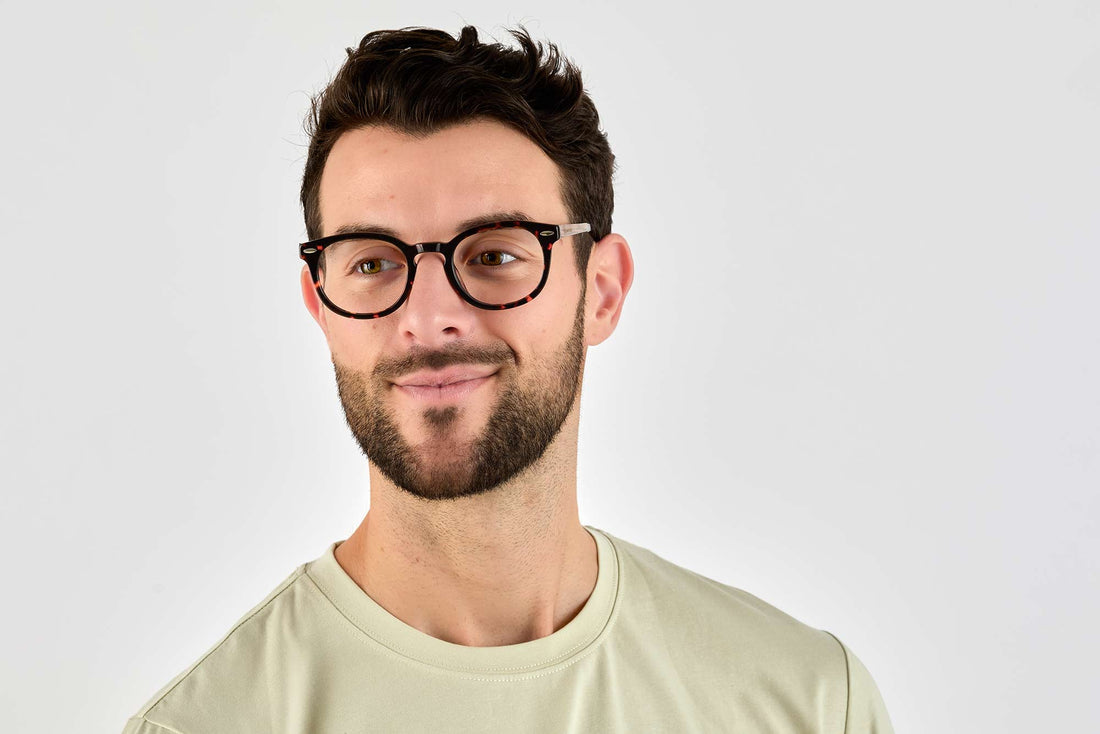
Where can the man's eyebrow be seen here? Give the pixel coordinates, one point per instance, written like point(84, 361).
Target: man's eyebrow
point(491, 217)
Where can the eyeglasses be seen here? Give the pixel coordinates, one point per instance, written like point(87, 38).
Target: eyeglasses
point(368, 275)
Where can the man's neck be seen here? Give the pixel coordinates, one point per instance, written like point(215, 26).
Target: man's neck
point(503, 567)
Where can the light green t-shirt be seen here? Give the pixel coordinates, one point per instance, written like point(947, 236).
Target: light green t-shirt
point(656, 648)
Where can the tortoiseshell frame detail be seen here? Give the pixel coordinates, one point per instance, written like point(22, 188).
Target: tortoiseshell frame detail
point(547, 235)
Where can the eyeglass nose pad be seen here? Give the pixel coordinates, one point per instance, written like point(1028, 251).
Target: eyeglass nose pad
point(429, 250)
point(417, 263)
point(417, 256)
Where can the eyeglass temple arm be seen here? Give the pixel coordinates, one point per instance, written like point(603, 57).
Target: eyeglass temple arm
point(572, 229)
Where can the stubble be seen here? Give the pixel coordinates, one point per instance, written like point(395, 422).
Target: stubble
point(528, 413)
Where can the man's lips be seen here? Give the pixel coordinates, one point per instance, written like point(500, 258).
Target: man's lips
point(449, 376)
point(447, 384)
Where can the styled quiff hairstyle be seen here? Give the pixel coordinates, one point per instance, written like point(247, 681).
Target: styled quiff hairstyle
point(422, 80)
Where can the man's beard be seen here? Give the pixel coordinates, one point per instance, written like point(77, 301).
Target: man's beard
point(526, 417)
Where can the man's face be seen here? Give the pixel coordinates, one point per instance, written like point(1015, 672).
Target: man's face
point(510, 377)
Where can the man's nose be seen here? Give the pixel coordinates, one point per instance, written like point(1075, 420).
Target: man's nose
point(434, 314)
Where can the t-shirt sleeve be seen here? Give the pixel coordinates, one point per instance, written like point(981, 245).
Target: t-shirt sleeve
point(141, 725)
point(866, 709)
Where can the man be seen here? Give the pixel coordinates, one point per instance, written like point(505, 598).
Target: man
point(460, 261)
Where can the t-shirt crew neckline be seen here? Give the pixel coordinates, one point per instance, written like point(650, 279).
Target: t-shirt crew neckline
point(562, 648)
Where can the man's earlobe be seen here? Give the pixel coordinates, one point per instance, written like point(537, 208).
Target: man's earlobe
point(313, 302)
point(610, 275)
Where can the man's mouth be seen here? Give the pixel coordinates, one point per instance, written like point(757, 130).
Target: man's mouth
point(447, 384)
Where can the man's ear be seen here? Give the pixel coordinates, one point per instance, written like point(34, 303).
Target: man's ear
point(313, 304)
point(610, 274)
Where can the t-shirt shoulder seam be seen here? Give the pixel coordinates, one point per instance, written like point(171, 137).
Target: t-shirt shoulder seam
point(165, 727)
point(847, 680)
point(275, 594)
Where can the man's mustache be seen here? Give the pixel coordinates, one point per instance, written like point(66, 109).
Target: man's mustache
point(424, 359)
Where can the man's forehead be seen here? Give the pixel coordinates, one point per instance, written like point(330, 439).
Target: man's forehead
point(461, 175)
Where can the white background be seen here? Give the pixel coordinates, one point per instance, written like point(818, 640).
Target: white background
point(858, 375)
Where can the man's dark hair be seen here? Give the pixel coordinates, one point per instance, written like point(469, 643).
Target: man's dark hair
point(422, 80)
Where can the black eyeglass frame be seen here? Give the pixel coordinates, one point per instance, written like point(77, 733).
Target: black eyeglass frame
point(547, 234)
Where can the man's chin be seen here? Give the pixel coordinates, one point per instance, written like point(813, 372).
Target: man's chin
point(440, 482)
point(453, 430)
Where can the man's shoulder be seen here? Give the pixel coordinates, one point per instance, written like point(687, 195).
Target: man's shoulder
point(239, 660)
point(668, 581)
point(700, 624)
point(701, 609)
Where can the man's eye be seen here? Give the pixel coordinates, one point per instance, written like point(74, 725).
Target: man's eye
point(374, 265)
point(492, 258)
